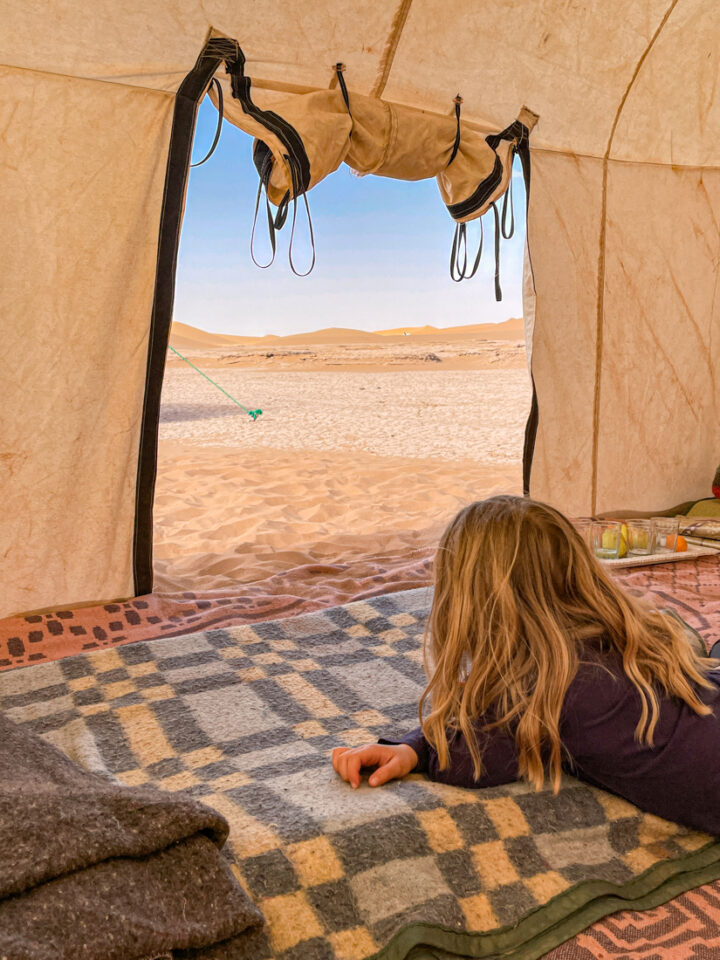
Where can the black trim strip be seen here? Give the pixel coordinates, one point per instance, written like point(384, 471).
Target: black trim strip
point(187, 100)
point(285, 132)
point(531, 427)
point(481, 194)
point(515, 131)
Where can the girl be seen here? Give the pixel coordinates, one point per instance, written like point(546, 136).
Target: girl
point(539, 663)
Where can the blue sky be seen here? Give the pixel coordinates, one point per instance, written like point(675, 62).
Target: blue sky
point(383, 249)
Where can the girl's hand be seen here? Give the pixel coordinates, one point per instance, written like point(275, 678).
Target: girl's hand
point(392, 761)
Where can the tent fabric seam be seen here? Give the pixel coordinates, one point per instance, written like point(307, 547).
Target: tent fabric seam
point(391, 45)
point(671, 164)
point(79, 76)
point(600, 316)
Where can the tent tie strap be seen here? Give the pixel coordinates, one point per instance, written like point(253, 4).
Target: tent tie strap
point(251, 413)
point(273, 224)
point(508, 232)
point(339, 70)
point(456, 145)
point(498, 290)
point(504, 223)
point(458, 268)
point(216, 139)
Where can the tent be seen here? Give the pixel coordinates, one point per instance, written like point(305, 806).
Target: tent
point(98, 109)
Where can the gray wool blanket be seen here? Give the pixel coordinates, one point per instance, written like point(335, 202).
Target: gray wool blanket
point(92, 869)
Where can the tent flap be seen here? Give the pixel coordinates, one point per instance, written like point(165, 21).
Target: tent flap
point(79, 251)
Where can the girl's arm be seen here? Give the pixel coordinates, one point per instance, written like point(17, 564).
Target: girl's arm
point(498, 758)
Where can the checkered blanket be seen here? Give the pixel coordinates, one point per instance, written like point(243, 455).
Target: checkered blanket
point(245, 718)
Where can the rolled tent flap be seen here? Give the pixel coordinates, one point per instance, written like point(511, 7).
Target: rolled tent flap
point(482, 166)
point(390, 140)
point(305, 137)
point(308, 135)
point(322, 125)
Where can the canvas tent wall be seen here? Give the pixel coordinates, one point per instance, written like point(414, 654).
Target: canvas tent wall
point(98, 105)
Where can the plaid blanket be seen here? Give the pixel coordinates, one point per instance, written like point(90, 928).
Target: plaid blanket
point(245, 718)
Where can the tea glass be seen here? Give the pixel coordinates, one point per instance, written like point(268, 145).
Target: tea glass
point(639, 536)
point(583, 525)
point(605, 539)
point(664, 534)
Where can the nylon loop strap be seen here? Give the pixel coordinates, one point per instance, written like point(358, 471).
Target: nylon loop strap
point(498, 290)
point(508, 232)
point(292, 236)
point(456, 145)
point(264, 177)
point(216, 139)
point(458, 270)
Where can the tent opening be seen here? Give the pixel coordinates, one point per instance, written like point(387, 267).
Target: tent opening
point(390, 395)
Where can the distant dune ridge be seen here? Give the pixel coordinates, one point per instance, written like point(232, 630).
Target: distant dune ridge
point(182, 335)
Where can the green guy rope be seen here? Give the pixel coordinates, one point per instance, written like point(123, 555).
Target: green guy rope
point(251, 413)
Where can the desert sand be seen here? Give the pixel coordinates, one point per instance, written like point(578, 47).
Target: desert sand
point(367, 445)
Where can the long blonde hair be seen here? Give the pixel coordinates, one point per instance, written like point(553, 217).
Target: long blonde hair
point(518, 595)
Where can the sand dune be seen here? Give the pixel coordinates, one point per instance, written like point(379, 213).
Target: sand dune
point(331, 335)
point(183, 335)
point(224, 517)
point(360, 352)
point(512, 329)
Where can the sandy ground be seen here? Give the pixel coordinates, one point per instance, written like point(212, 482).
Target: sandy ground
point(365, 449)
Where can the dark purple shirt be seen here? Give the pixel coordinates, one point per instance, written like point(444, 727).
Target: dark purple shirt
point(678, 778)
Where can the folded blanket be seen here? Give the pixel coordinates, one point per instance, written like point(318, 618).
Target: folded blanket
point(91, 869)
point(705, 528)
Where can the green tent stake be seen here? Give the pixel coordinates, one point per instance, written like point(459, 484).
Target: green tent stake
point(251, 413)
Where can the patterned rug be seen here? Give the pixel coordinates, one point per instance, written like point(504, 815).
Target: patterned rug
point(245, 717)
point(691, 587)
point(686, 928)
point(61, 633)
